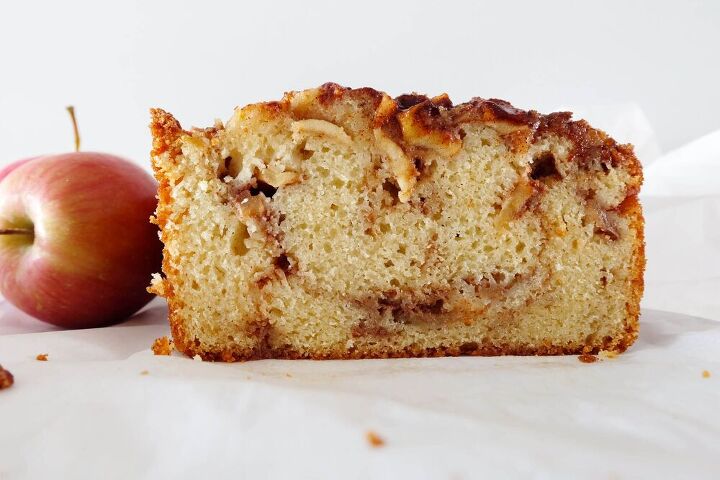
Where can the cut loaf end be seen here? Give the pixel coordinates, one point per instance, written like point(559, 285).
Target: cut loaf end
point(343, 223)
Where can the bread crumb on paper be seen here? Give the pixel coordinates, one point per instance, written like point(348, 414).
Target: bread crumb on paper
point(6, 378)
point(42, 357)
point(706, 374)
point(607, 354)
point(162, 346)
point(587, 358)
point(375, 440)
point(144, 372)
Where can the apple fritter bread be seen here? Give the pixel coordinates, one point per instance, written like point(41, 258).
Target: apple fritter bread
point(343, 223)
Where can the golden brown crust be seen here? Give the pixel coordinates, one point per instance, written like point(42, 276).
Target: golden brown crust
point(166, 132)
point(418, 123)
point(473, 349)
point(632, 208)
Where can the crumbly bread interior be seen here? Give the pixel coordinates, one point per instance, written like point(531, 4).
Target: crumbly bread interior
point(342, 223)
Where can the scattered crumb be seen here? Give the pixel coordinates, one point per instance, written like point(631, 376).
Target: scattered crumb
point(162, 346)
point(197, 358)
point(6, 378)
point(42, 357)
point(375, 440)
point(706, 374)
point(607, 354)
point(587, 358)
point(144, 372)
point(288, 375)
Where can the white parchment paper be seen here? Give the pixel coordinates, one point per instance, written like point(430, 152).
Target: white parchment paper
point(92, 412)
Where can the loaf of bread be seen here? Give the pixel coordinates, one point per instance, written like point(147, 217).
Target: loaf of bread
point(343, 223)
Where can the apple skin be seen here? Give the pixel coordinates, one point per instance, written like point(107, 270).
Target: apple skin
point(5, 171)
point(93, 249)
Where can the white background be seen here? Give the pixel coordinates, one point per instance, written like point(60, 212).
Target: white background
point(199, 59)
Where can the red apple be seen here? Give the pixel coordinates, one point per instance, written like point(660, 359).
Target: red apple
point(76, 246)
point(5, 171)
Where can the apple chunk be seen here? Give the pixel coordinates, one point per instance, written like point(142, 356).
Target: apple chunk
point(76, 246)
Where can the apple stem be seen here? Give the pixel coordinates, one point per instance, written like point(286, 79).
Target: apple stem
point(71, 111)
point(16, 231)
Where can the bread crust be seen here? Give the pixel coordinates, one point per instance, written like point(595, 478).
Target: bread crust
point(436, 123)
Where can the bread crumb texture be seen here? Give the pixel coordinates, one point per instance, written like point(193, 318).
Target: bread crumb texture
point(162, 346)
point(706, 374)
point(6, 378)
point(343, 223)
point(42, 357)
